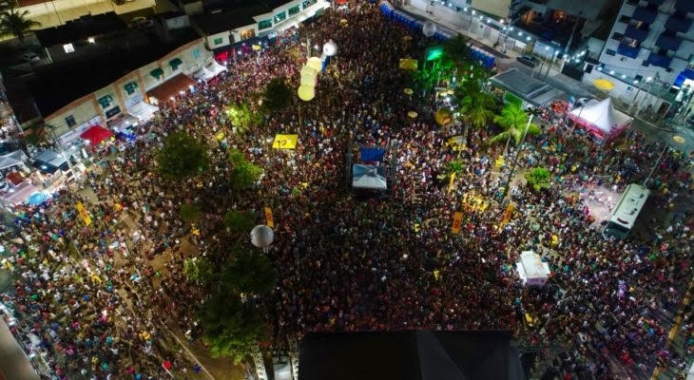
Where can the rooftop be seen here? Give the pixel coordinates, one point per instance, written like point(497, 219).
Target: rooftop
point(82, 28)
point(531, 89)
point(57, 85)
point(228, 19)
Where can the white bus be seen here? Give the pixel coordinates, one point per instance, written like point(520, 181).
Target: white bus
point(627, 210)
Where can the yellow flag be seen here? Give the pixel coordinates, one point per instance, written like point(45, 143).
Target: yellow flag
point(83, 213)
point(457, 221)
point(269, 219)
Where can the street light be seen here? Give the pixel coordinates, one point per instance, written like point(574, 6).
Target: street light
point(679, 140)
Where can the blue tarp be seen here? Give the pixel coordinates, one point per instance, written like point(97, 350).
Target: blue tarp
point(372, 154)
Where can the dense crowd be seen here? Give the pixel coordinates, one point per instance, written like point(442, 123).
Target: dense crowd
point(347, 262)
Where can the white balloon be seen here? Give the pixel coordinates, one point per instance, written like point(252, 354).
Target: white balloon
point(315, 63)
point(330, 49)
point(306, 93)
point(429, 29)
point(262, 236)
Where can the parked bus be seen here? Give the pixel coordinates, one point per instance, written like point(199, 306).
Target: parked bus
point(624, 215)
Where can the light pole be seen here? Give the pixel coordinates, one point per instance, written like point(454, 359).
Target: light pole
point(57, 143)
point(676, 139)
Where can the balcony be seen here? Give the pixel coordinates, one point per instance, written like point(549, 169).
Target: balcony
point(628, 51)
point(645, 15)
point(678, 25)
point(659, 60)
point(635, 33)
point(668, 43)
point(685, 5)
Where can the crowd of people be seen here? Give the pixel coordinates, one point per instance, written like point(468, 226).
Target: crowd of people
point(346, 261)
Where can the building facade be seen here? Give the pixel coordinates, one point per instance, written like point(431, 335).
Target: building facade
point(651, 40)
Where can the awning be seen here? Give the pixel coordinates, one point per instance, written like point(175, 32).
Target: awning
point(685, 6)
point(50, 162)
point(645, 15)
point(12, 159)
point(157, 73)
point(96, 134)
point(20, 193)
point(678, 24)
point(143, 111)
point(668, 43)
point(636, 33)
point(172, 87)
point(174, 63)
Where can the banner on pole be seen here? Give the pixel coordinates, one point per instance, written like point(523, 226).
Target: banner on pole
point(268, 217)
point(83, 213)
point(507, 214)
point(457, 221)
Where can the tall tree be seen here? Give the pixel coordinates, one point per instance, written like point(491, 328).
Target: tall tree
point(457, 49)
point(244, 174)
point(248, 272)
point(181, 157)
point(476, 110)
point(513, 120)
point(242, 117)
point(239, 221)
point(16, 24)
point(277, 95)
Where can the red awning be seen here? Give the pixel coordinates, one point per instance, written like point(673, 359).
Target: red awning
point(172, 87)
point(340, 2)
point(96, 134)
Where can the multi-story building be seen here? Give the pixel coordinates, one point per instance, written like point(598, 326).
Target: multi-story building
point(650, 48)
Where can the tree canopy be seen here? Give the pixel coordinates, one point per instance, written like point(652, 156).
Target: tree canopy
point(277, 95)
point(514, 120)
point(16, 23)
point(239, 221)
point(248, 272)
point(242, 116)
point(244, 174)
point(538, 178)
point(181, 157)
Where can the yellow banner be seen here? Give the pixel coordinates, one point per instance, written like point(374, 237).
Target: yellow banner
point(507, 214)
point(285, 141)
point(457, 221)
point(83, 213)
point(450, 184)
point(268, 216)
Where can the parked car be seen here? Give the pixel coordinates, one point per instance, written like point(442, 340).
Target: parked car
point(527, 60)
point(142, 22)
point(31, 57)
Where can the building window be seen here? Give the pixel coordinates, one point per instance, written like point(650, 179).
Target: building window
point(105, 101)
point(218, 41)
point(70, 121)
point(468, 2)
point(196, 53)
point(617, 36)
point(294, 10)
point(130, 87)
point(280, 17)
point(69, 48)
point(175, 63)
point(246, 34)
point(610, 52)
point(265, 24)
point(625, 19)
point(308, 3)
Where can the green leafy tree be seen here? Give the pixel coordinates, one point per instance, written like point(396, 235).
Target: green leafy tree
point(182, 156)
point(277, 95)
point(190, 213)
point(455, 166)
point(239, 221)
point(199, 270)
point(457, 50)
point(232, 327)
point(242, 116)
point(248, 273)
point(538, 178)
point(16, 23)
point(244, 174)
point(476, 110)
point(513, 120)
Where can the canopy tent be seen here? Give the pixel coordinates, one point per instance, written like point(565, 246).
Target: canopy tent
point(12, 159)
point(369, 177)
point(409, 355)
point(49, 161)
point(96, 134)
point(209, 71)
point(601, 119)
point(172, 87)
point(372, 154)
point(143, 111)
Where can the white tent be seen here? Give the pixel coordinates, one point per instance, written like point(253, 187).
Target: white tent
point(369, 177)
point(531, 269)
point(16, 158)
point(601, 119)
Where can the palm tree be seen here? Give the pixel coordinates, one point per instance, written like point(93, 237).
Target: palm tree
point(14, 23)
point(514, 120)
point(476, 110)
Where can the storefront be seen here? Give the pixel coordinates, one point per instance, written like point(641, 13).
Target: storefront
point(138, 108)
